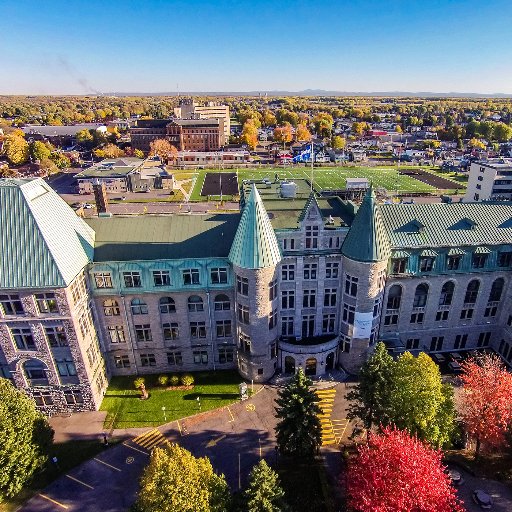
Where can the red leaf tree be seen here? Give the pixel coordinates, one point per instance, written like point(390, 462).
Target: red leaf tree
point(395, 472)
point(484, 401)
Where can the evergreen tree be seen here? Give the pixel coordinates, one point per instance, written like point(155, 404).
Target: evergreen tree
point(298, 432)
point(25, 438)
point(264, 492)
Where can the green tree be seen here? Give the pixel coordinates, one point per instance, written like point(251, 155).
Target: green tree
point(369, 401)
point(138, 153)
point(264, 492)
point(298, 430)
point(16, 148)
point(339, 142)
point(176, 481)
point(60, 159)
point(502, 132)
point(25, 438)
point(48, 167)
point(85, 138)
point(39, 150)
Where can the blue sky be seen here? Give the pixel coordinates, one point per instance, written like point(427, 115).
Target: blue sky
point(77, 47)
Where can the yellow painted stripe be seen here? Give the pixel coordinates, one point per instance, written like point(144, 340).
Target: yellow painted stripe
point(148, 441)
point(107, 464)
point(146, 434)
point(325, 391)
point(155, 443)
point(136, 449)
point(53, 501)
point(147, 438)
point(80, 481)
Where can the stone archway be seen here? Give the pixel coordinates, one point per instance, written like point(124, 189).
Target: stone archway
point(311, 366)
point(289, 365)
point(329, 362)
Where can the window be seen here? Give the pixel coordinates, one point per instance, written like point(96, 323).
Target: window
point(442, 316)
point(348, 314)
point(288, 299)
point(412, 344)
point(466, 313)
point(417, 318)
point(445, 299)
point(11, 305)
point(116, 333)
point(287, 326)
point(311, 237)
point(93, 353)
point(288, 272)
point(398, 265)
point(42, 398)
point(139, 307)
point(46, 303)
point(85, 323)
point(174, 359)
point(222, 303)
point(484, 339)
point(496, 290)
point(171, 331)
point(308, 326)
point(420, 296)
point(437, 343)
point(73, 397)
point(132, 279)
point(111, 308)
point(147, 360)
point(200, 356)
point(460, 341)
point(426, 264)
point(310, 270)
point(478, 260)
point(273, 350)
point(219, 275)
point(195, 304)
point(453, 262)
point(328, 323)
point(242, 286)
point(331, 270)
point(103, 279)
point(472, 292)
point(161, 278)
point(245, 343)
point(191, 276)
point(490, 311)
point(225, 355)
point(334, 242)
point(272, 290)
point(143, 332)
point(504, 259)
point(23, 338)
point(272, 319)
point(223, 328)
point(243, 314)
point(56, 336)
point(390, 319)
point(376, 307)
point(78, 288)
point(351, 285)
point(167, 305)
point(66, 367)
point(330, 297)
point(394, 297)
point(309, 299)
point(345, 344)
point(289, 243)
point(197, 330)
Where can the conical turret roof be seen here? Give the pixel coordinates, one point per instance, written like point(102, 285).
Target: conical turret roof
point(255, 244)
point(367, 240)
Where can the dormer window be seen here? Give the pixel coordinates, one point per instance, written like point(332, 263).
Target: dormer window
point(312, 237)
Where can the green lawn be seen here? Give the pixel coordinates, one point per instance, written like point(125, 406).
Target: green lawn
point(126, 410)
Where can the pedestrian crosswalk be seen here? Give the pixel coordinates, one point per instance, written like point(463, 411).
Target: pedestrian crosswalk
point(150, 439)
point(333, 430)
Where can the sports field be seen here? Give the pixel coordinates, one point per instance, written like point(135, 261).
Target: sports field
point(381, 177)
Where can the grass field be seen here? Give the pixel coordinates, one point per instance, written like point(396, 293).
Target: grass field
point(125, 409)
point(332, 178)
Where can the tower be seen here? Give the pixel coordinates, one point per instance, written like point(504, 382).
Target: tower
point(366, 251)
point(255, 255)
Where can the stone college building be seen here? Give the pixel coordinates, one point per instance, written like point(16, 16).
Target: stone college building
point(288, 282)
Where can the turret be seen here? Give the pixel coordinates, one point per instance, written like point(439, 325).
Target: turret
point(255, 255)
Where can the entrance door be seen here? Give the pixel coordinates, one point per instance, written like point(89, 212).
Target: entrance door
point(329, 362)
point(311, 366)
point(289, 365)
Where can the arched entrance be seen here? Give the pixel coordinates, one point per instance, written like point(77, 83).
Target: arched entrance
point(289, 365)
point(329, 362)
point(311, 366)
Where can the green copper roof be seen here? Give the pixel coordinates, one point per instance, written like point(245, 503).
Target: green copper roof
point(367, 239)
point(255, 244)
point(43, 244)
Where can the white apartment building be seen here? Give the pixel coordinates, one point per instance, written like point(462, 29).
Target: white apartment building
point(490, 180)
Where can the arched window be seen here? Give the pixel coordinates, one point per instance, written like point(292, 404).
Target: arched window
point(36, 372)
point(195, 303)
point(139, 307)
point(496, 290)
point(472, 292)
point(167, 305)
point(222, 302)
point(445, 299)
point(111, 307)
point(420, 296)
point(394, 297)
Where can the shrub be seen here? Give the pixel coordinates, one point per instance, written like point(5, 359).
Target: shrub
point(174, 380)
point(187, 380)
point(162, 380)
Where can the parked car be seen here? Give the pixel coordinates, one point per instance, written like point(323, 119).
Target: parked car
point(438, 358)
point(88, 206)
point(455, 367)
point(455, 356)
point(482, 498)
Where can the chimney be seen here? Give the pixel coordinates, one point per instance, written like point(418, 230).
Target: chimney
point(100, 195)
